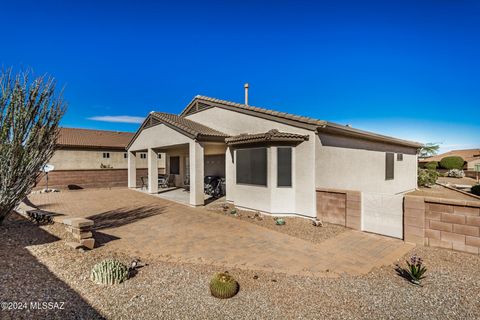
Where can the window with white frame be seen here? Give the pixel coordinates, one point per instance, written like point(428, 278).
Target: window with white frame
point(106, 155)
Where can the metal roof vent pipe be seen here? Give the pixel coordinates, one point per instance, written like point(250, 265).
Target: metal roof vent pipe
point(246, 93)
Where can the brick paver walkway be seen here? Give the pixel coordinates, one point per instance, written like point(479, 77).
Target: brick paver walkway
point(148, 226)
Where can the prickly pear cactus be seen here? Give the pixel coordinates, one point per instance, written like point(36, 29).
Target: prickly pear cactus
point(109, 272)
point(223, 286)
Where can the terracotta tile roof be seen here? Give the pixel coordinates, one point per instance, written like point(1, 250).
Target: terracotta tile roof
point(191, 127)
point(295, 120)
point(271, 136)
point(85, 138)
point(466, 154)
point(283, 115)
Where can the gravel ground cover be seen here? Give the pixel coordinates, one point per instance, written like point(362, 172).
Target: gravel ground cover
point(297, 227)
point(37, 266)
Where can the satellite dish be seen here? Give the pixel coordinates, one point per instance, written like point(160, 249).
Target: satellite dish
point(47, 168)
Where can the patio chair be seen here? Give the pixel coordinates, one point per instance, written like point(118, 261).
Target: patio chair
point(144, 182)
point(186, 182)
point(171, 180)
point(163, 181)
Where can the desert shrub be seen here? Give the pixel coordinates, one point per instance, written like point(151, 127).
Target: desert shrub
point(455, 173)
point(432, 165)
point(109, 272)
point(223, 286)
point(476, 190)
point(30, 112)
point(426, 177)
point(452, 162)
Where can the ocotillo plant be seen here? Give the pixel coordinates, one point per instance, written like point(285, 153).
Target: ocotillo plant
point(30, 113)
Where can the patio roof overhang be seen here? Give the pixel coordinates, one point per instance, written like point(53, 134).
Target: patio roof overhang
point(189, 128)
point(272, 136)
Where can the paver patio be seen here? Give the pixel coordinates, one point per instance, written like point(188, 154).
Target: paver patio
point(151, 227)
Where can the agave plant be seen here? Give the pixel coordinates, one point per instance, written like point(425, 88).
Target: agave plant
point(223, 286)
point(416, 270)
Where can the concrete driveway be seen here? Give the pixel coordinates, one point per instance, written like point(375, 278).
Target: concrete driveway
point(147, 226)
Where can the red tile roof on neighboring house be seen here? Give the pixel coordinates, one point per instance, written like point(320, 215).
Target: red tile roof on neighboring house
point(85, 138)
point(466, 154)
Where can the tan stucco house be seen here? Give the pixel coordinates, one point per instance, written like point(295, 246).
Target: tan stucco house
point(93, 158)
point(279, 163)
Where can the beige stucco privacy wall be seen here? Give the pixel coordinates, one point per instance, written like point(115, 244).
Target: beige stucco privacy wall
point(77, 159)
point(300, 198)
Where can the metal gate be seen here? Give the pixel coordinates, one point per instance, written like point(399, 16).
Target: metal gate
point(382, 214)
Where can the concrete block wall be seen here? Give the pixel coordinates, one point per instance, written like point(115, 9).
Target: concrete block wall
point(342, 207)
point(97, 178)
point(444, 223)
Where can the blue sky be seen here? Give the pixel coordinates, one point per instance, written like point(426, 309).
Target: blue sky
point(407, 69)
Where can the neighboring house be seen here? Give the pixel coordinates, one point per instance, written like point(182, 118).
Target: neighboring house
point(280, 163)
point(471, 157)
point(93, 158)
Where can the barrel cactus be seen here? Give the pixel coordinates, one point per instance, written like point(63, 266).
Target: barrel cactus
point(109, 272)
point(223, 286)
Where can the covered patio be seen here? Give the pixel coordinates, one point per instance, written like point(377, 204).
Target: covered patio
point(192, 151)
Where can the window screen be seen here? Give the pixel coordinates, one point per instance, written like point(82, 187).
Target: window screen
point(284, 167)
point(174, 165)
point(389, 166)
point(252, 166)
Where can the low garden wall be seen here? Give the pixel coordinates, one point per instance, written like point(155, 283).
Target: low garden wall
point(96, 178)
point(444, 223)
point(342, 207)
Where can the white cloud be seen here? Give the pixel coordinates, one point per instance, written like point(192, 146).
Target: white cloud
point(121, 119)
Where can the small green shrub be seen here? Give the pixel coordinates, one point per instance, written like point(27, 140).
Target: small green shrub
point(452, 162)
point(109, 272)
point(223, 286)
point(432, 165)
point(426, 177)
point(476, 190)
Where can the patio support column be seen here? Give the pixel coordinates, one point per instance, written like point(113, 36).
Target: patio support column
point(132, 170)
point(152, 159)
point(197, 197)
